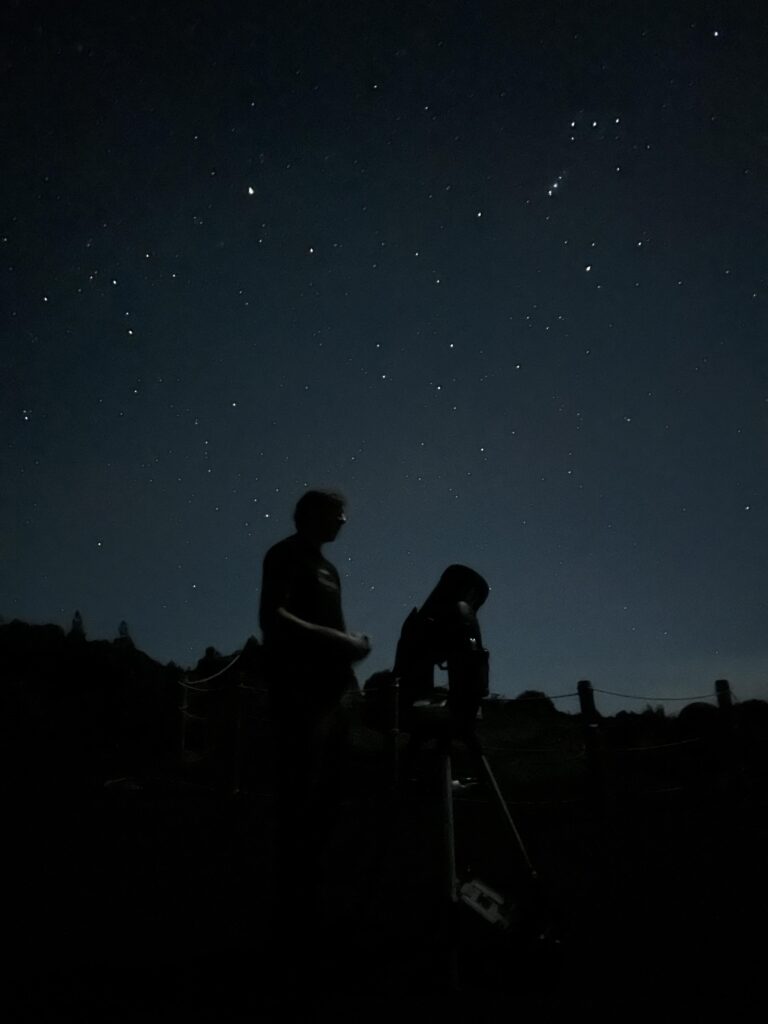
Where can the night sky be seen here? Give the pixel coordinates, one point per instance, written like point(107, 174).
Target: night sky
point(497, 271)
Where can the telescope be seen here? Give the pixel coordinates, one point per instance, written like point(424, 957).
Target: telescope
point(443, 633)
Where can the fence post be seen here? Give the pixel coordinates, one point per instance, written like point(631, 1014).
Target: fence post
point(587, 702)
point(590, 720)
point(728, 753)
point(184, 709)
point(723, 694)
point(394, 735)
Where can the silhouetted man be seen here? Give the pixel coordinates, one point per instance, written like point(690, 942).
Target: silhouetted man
point(309, 656)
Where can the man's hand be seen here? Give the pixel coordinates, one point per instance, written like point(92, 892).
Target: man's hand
point(359, 645)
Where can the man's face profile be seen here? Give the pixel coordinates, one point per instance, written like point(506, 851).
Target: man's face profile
point(329, 521)
point(319, 515)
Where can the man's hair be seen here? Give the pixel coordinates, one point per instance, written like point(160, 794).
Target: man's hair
point(315, 503)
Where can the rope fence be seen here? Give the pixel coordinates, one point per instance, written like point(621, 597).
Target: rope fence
point(197, 684)
point(661, 746)
point(534, 697)
point(204, 727)
point(633, 696)
point(510, 748)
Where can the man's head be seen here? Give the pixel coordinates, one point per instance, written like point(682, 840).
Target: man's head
point(319, 515)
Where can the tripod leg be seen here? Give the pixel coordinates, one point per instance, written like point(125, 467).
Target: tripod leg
point(506, 812)
point(452, 884)
point(395, 736)
point(449, 838)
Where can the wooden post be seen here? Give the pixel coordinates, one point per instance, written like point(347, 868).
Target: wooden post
point(184, 709)
point(587, 701)
point(237, 771)
point(723, 694)
point(728, 753)
point(394, 734)
point(590, 720)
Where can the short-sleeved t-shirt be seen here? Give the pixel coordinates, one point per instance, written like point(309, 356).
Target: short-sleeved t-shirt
point(298, 578)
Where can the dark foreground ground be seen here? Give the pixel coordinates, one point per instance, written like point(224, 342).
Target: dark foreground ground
point(155, 896)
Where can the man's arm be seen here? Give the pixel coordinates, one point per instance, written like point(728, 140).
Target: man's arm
point(278, 582)
point(354, 645)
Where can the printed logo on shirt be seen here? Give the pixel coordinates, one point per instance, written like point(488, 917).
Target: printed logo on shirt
point(327, 578)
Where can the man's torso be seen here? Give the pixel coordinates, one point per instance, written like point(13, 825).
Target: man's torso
point(298, 578)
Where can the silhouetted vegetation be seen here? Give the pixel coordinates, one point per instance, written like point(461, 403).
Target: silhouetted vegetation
point(85, 708)
point(648, 831)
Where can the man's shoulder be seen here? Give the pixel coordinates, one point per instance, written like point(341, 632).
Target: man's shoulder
point(286, 545)
point(284, 551)
point(294, 551)
point(290, 551)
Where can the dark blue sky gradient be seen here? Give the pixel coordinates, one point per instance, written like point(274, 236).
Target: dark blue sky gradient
point(497, 271)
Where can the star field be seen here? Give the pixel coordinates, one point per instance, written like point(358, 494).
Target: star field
point(497, 273)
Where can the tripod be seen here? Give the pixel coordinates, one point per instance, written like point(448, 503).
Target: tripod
point(451, 865)
point(425, 786)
